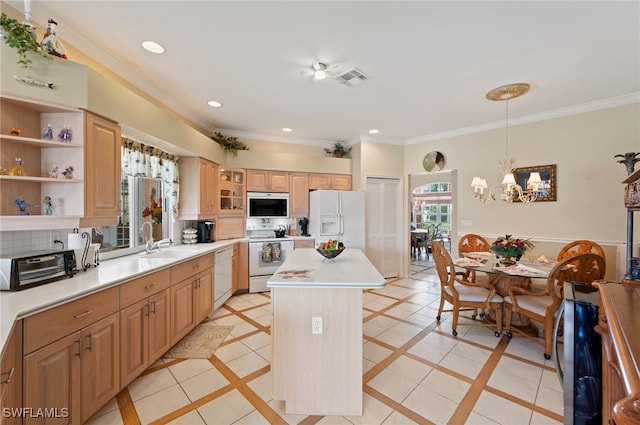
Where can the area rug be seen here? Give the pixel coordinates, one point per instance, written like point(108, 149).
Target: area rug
point(200, 343)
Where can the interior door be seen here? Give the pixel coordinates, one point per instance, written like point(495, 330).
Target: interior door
point(383, 224)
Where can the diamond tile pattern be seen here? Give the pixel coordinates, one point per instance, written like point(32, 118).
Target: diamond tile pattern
point(415, 371)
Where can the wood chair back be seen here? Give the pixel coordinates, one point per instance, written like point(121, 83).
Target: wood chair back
point(473, 243)
point(581, 246)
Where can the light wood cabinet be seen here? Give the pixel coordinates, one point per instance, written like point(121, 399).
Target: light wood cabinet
point(230, 228)
point(79, 372)
point(299, 194)
point(102, 177)
point(191, 295)
point(28, 119)
point(199, 178)
point(11, 376)
point(240, 267)
point(145, 332)
point(329, 181)
point(267, 181)
point(231, 192)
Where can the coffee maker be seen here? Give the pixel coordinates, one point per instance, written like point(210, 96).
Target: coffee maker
point(205, 231)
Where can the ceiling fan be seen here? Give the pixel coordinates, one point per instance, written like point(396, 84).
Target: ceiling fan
point(320, 70)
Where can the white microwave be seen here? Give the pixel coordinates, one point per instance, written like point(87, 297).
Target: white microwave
point(267, 204)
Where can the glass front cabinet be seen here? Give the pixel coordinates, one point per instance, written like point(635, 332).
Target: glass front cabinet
point(231, 192)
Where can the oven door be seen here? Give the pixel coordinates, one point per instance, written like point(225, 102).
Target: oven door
point(267, 256)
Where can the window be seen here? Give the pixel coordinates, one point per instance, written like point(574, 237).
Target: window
point(432, 207)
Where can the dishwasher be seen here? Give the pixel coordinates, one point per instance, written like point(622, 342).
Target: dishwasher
point(222, 277)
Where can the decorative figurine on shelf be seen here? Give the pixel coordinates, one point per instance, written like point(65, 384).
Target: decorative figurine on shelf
point(48, 208)
point(22, 205)
point(68, 172)
point(48, 133)
point(51, 43)
point(16, 131)
point(18, 169)
point(54, 172)
point(65, 134)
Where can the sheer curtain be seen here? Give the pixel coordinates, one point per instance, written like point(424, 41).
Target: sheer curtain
point(140, 160)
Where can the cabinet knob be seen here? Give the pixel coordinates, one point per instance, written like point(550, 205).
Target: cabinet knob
point(9, 375)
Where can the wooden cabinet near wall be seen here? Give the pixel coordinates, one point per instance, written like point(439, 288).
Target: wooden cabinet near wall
point(329, 181)
point(102, 166)
point(145, 332)
point(298, 194)
point(199, 180)
point(267, 181)
point(11, 376)
point(72, 356)
point(229, 228)
point(191, 295)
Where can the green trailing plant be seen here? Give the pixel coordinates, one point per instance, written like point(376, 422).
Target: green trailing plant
point(338, 150)
point(18, 36)
point(229, 143)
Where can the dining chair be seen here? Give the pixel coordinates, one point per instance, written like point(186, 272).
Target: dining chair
point(462, 294)
point(581, 246)
point(472, 243)
point(542, 306)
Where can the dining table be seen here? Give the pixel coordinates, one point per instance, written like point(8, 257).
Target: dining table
point(502, 277)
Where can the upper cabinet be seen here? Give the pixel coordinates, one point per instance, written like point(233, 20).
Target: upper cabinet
point(201, 177)
point(329, 181)
point(267, 181)
point(299, 194)
point(33, 167)
point(231, 188)
point(103, 163)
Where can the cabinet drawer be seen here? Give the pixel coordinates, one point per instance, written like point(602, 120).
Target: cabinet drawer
point(190, 268)
point(138, 289)
point(44, 328)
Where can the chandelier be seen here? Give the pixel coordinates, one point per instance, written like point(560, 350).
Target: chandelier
point(509, 189)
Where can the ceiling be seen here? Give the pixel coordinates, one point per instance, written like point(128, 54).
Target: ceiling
point(429, 63)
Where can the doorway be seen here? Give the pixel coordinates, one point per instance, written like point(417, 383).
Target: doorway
point(383, 221)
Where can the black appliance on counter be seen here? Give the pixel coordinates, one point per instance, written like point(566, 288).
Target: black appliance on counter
point(206, 231)
point(580, 370)
point(29, 269)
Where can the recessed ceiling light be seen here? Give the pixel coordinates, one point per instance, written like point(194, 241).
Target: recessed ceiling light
point(214, 103)
point(374, 131)
point(152, 47)
point(286, 130)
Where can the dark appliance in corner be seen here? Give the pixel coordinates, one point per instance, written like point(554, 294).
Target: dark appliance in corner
point(580, 369)
point(206, 231)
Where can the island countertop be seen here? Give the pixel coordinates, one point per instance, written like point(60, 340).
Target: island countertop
point(305, 267)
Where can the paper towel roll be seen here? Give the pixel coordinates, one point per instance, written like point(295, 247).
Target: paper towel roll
point(75, 241)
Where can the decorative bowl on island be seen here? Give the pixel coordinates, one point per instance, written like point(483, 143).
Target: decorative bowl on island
point(330, 249)
point(330, 254)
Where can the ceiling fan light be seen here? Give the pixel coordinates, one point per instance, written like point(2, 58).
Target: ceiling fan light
point(320, 74)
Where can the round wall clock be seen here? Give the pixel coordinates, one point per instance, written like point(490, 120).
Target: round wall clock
point(434, 160)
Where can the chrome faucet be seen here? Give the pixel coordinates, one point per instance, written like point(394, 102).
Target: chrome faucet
point(149, 240)
point(162, 242)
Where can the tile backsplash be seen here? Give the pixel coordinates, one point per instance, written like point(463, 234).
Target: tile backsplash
point(29, 240)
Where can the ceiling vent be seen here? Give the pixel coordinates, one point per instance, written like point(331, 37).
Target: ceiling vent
point(353, 77)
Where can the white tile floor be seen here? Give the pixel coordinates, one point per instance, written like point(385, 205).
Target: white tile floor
point(415, 371)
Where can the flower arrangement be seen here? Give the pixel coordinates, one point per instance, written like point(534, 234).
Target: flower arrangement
point(508, 246)
point(154, 209)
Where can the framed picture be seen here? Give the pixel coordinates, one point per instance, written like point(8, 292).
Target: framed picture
point(548, 177)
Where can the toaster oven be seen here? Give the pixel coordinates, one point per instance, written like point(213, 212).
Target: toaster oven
point(26, 270)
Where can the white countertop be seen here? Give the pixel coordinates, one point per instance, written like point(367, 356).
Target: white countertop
point(306, 268)
point(16, 305)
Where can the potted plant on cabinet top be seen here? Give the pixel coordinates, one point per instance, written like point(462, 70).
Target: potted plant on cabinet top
point(20, 37)
point(338, 150)
point(229, 144)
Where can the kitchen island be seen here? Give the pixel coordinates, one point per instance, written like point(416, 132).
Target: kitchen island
point(316, 334)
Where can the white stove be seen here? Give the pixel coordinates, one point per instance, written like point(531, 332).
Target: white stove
point(266, 254)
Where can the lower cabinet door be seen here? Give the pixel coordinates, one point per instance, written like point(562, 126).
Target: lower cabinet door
point(100, 364)
point(204, 295)
point(133, 341)
point(52, 380)
point(182, 313)
point(159, 325)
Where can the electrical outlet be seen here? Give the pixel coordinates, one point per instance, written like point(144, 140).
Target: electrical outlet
point(53, 236)
point(316, 325)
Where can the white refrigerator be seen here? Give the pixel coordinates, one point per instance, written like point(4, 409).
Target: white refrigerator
point(338, 215)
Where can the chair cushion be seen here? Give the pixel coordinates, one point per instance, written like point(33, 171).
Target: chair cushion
point(537, 305)
point(473, 294)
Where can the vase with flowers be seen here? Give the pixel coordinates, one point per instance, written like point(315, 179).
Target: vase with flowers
point(510, 249)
